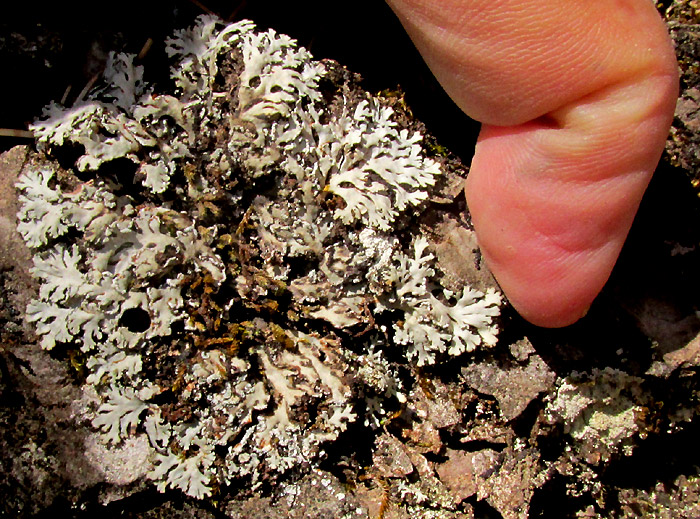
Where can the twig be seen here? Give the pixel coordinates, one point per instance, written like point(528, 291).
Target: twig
point(144, 50)
point(86, 88)
point(22, 134)
point(202, 7)
point(386, 497)
point(235, 12)
point(63, 100)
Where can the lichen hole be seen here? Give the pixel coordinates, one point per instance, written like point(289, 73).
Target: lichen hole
point(136, 320)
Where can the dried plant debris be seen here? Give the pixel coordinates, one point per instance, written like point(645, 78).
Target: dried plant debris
point(232, 260)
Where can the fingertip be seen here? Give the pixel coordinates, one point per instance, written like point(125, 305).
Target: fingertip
point(553, 305)
point(577, 99)
point(551, 205)
point(547, 317)
point(548, 285)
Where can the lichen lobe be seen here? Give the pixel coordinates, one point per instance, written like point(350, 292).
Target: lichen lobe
point(234, 261)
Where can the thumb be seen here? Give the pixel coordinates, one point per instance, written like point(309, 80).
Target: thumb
point(576, 100)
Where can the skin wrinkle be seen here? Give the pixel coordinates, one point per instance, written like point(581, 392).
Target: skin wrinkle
point(618, 98)
point(565, 235)
point(565, 259)
point(563, 226)
point(587, 134)
point(563, 264)
point(529, 53)
point(561, 150)
point(579, 165)
point(556, 275)
point(535, 54)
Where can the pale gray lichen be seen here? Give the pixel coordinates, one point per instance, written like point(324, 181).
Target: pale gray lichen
point(226, 257)
point(432, 325)
point(602, 411)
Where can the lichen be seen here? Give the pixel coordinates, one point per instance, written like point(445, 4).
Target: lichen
point(602, 411)
point(234, 259)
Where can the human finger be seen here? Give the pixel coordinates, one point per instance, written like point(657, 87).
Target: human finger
point(576, 100)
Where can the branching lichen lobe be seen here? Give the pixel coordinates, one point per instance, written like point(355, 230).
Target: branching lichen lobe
point(235, 304)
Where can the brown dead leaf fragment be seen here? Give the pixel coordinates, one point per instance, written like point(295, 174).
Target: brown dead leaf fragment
point(424, 437)
point(514, 386)
point(687, 356)
point(435, 409)
point(435, 404)
point(458, 256)
point(510, 489)
point(465, 472)
point(682, 145)
point(487, 431)
point(389, 458)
